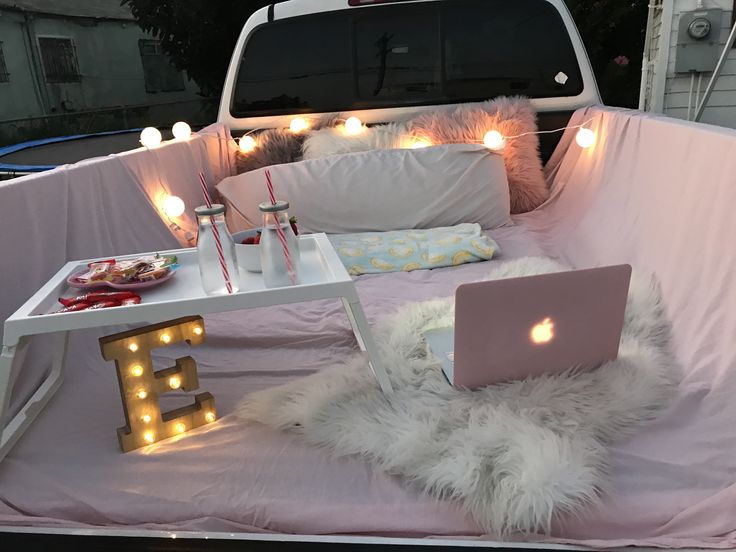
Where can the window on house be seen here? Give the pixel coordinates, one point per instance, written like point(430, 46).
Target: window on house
point(159, 74)
point(59, 58)
point(4, 75)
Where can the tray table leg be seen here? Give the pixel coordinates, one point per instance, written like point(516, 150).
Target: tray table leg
point(9, 365)
point(362, 330)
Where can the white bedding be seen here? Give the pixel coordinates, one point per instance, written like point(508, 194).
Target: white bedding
point(637, 197)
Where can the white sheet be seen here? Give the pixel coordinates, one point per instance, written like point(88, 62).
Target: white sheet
point(654, 192)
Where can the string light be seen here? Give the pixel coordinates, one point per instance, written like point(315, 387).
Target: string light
point(151, 137)
point(353, 126)
point(494, 140)
point(173, 206)
point(174, 382)
point(210, 416)
point(298, 124)
point(165, 338)
point(420, 143)
point(181, 131)
point(137, 370)
point(247, 144)
point(585, 137)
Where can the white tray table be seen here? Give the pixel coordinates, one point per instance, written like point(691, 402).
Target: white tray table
point(322, 275)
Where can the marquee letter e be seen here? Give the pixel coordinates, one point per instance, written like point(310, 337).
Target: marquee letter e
point(140, 386)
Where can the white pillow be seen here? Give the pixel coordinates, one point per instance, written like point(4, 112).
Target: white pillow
point(379, 190)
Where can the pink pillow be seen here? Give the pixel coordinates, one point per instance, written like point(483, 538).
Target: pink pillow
point(511, 117)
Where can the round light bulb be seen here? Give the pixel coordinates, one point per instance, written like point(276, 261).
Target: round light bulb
point(585, 138)
point(146, 418)
point(494, 140)
point(174, 382)
point(137, 370)
point(210, 417)
point(166, 338)
point(181, 130)
point(180, 428)
point(173, 206)
point(151, 137)
point(353, 126)
point(247, 144)
point(141, 394)
point(133, 347)
point(148, 436)
point(298, 124)
point(198, 330)
point(418, 144)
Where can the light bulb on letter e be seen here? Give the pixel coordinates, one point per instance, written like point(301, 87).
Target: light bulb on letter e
point(543, 332)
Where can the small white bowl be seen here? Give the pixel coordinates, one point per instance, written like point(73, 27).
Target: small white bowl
point(248, 256)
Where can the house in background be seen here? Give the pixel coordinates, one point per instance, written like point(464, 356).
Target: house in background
point(684, 40)
point(77, 66)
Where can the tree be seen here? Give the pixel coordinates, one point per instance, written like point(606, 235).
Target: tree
point(198, 35)
point(613, 32)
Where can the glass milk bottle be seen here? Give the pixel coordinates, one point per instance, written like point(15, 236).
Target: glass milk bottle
point(274, 262)
point(214, 237)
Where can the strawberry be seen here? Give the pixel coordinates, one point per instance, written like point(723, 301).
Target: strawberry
point(292, 221)
point(250, 240)
point(257, 238)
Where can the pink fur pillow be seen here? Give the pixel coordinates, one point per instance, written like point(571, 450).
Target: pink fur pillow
point(511, 117)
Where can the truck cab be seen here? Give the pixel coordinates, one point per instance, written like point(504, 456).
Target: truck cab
point(386, 60)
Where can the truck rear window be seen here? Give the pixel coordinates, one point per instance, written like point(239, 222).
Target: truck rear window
point(397, 55)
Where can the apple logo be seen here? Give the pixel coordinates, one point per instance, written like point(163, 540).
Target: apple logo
point(543, 332)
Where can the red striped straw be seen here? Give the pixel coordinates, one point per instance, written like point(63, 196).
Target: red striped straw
point(280, 232)
point(205, 191)
point(216, 233)
point(269, 184)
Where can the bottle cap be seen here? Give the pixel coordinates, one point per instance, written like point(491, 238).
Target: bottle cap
point(204, 211)
point(268, 207)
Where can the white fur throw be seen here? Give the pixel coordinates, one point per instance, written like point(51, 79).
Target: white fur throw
point(331, 141)
point(516, 455)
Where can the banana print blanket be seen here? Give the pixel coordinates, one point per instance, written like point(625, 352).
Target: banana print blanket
point(406, 250)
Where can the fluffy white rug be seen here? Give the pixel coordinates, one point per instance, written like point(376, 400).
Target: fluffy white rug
point(516, 454)
point(332, 141)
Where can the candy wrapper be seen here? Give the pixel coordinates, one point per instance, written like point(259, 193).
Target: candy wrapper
point(98, 300)
point(129, 271)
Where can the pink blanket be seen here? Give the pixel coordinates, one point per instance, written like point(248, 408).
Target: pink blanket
point(639, 196)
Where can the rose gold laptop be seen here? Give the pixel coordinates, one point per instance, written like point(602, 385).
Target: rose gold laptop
point(521, 327)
